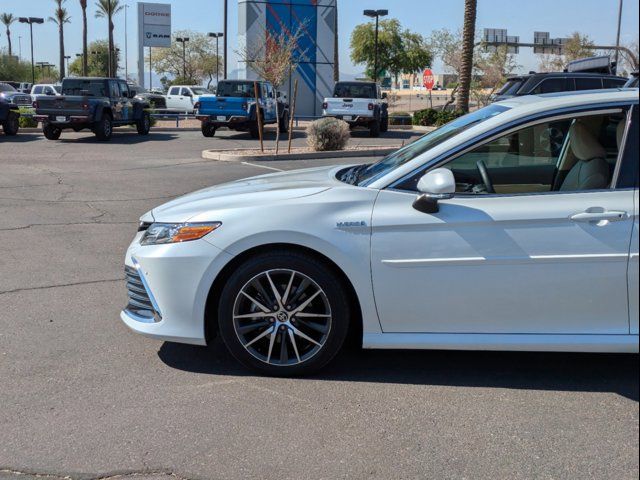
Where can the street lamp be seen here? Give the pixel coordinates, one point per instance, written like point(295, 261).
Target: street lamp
point(67, 57)
point(184, 41)
point(376, 14)
point(31, 21)
point(217, 36)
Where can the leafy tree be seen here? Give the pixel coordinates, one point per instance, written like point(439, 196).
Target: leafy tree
point(107, 9)
point(97, 60)
point(389, 46)
point(492, 69)
point(629, 61)
point(85, 60)
point(577, 46)
point(12, 69)
point(8, 19)
point(60, 17)
point(200, 58)
point(466, 61)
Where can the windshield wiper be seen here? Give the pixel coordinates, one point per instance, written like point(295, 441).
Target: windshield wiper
point(352, 175)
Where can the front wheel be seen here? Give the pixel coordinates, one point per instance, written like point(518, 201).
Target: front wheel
point(103, 129)
point(254, 130)
point(208, 130)
point(283, 313)
point(374, 128)
point(12, 124)
point(144, 124)
point(51, 132)
point(384, 125)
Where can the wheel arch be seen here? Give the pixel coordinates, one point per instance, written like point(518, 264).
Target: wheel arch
point(213, 296)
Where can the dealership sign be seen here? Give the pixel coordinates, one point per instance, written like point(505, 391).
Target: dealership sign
point(154, 24)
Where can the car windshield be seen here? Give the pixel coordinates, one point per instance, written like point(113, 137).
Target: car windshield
point(363, 175)
point(235, 89)
point(5, 87)
point(354, 90)
point(511, 87)
point(200, 91)
point(90, 88)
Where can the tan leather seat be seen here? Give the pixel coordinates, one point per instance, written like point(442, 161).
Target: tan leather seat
point(591, 172)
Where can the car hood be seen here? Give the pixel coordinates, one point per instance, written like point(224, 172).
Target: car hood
point(271, 188)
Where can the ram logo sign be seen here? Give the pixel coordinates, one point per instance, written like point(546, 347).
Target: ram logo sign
point(154, 24)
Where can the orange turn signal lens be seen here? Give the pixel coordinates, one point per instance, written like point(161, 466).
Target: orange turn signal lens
point(193, 232)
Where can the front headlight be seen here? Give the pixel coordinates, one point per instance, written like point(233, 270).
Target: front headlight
point(160, 233)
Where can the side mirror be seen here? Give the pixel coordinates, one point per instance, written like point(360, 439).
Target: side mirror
point(187, 94)
point(438, 184)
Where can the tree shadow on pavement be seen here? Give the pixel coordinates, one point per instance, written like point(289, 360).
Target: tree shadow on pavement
point(573, 372)
point(120, 138)
point(20, 137)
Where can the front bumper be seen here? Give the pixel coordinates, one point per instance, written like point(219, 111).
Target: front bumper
point(178, 278)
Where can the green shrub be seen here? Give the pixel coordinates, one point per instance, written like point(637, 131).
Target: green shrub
point(400, 118)
point(27, 122)
point(328, 134)
point(431, 117)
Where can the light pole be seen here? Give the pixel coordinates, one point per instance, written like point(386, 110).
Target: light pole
point(618, 34)
point(67, 57)
point(183, 41)
point(376, 14)
point(224, 44)
point(19, 47)
point(31, 21)
point(217, 36)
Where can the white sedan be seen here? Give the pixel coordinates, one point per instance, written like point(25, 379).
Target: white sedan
point(512, 228)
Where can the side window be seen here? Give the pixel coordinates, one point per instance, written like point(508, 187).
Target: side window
point(48, 91)
point(563, 155)
point(614, 82)
point(586, 83)
point(551, 85)
point(37, 91)
point(174, 91)
point(124, 89)
point(114, 91)
point(185, 92)
point(628, 176)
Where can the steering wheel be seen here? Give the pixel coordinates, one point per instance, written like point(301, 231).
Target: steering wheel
point(484, 174)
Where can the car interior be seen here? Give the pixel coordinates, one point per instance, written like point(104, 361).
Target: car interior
point(565, 155)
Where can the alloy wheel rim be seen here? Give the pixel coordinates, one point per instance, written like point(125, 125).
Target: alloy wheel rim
point(282, 317)
point(107, 127)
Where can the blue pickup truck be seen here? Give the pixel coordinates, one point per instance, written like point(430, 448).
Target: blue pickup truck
point(234, 107)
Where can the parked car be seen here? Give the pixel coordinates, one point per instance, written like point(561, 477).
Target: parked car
point(182, 98)
point(475, 236)
point(24, 87)
point(45, 89)
point(156, 100)
point(234, 107)
point(9, 118)
point(13, 96)
point(538, 83)
point(98, 104)
point(360, 104)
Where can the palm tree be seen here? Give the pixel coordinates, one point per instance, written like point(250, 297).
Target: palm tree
point(466, 67)
point(60, 17)
point(107, 9)
point(85, 61)
point(336, 55)
point(8, 19)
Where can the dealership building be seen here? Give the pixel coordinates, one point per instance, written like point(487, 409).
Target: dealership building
point(316, 20)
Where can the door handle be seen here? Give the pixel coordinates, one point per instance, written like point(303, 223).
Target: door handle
point(609, 215)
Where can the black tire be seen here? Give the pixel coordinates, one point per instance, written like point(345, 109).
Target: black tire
point(284, 122)
point(254, 131)
point(384, 125)
point(208, 130)
point(103, 129)
point(51, 132)
point(144, 124)
point(374, 128)
point(284, 263)
point(12, 124)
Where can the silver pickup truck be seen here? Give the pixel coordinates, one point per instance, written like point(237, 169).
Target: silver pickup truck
point(360, 104)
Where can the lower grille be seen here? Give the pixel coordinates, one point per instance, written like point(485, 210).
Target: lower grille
point(140, 303)
point(22, 100)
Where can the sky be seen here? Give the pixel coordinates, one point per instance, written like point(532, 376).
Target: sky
point(597, 18)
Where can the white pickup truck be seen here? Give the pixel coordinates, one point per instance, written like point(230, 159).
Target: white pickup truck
point(360, 104)
point(182, 98)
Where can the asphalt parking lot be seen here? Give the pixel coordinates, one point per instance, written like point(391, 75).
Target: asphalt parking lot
point(82, 397)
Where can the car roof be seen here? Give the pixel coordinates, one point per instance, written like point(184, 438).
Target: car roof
point(563, 74)
point(518, 108)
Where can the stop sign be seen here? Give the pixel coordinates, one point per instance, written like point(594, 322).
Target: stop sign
point(427, 79)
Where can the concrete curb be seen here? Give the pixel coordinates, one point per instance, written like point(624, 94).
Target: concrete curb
point(230, 156)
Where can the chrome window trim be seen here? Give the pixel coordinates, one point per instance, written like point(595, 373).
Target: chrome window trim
point(571, 112)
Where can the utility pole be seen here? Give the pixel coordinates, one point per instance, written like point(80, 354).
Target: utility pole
point(217, 37)
point(225, 35)
point(31, 21)
point(126, 50)
point(183, 41)
point(19, 47)
point(110, 47)
point(618, 34)
point(376, 14)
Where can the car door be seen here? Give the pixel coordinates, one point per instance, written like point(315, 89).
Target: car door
point(125, 100)
point(269, 104)
point(116, 100)
point(521, 261)
point(173, 98)
point(186, 99)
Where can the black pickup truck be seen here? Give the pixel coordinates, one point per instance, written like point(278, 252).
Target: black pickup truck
point(98, 104)
point(9, 117)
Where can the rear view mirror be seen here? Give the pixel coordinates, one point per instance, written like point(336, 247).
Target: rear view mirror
point(438, 184)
